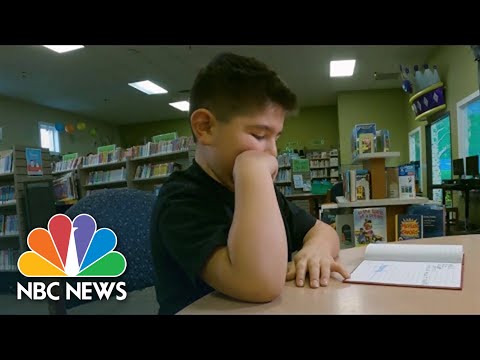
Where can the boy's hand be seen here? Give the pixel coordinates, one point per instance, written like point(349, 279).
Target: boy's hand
point(318, 262)
point(250, 160)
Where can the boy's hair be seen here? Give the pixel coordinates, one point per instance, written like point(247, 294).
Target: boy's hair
point(232, 85)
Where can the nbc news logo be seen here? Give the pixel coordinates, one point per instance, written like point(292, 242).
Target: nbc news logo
point(72, 249)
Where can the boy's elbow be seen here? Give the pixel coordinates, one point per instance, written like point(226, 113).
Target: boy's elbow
point(266, 291)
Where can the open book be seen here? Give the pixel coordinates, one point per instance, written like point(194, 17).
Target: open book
point(416, 265)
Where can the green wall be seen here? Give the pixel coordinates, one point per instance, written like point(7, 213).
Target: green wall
point(307, 129)
point(385, 108)
point(19, 123)
point(138, 133)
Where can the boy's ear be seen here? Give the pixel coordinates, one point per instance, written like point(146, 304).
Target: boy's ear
point(202, 122)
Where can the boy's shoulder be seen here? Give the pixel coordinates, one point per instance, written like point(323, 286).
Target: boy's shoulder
point(191, 183)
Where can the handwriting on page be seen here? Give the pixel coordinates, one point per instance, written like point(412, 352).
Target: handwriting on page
point(409, 273)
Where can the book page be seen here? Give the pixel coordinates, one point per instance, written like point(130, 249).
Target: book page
point(415, 252)
point(427, 274)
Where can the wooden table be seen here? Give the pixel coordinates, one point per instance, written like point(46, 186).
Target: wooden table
point(314, 201)
point(343, 298)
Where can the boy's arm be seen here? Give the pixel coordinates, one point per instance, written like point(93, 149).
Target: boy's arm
point(317, 257)
point(253, 265)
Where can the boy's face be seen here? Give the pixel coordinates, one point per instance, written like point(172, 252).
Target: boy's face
point(258, 131)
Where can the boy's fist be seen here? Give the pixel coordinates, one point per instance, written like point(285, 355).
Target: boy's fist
point(253, 160)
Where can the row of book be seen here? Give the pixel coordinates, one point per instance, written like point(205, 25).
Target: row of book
point(366, 139)
point(8, 225)
point(318, 155)
point(104, 157)
point(364, 226)
point(65, 187)
point(104, 176)
point(182, 143)
point(6, 161)
point(7, 194)
point(284, 175)
point(283, 160)
point(400, 183)
point(324, 163)
point(286, 190)
point(146, 171)
point(65, 165)
point(8, 259)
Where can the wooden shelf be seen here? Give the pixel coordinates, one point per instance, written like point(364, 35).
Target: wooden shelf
point(63, 171)
point(6, 176)
point(159, 155)
point(10, 203)
point(9, 236)
point(106, 183)
point(66, 202)
point(283, 182)
point(151, 178)
point(110, 165)
point(344, 203)
point(377, 155)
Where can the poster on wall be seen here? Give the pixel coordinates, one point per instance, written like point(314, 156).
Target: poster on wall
point(34, 161)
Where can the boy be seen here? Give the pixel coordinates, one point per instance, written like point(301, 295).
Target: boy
point(222, 224)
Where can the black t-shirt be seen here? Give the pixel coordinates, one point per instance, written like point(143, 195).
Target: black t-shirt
point(191, 218)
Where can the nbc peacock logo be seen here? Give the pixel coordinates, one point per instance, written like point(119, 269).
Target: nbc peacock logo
point(71, 249)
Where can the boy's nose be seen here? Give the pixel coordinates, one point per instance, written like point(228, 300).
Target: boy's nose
point(272, 148)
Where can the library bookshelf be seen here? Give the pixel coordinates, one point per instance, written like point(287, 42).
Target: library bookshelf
point(376, 164)
point(13, 243)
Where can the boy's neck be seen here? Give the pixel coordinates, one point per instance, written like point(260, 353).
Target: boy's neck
point(201, 161)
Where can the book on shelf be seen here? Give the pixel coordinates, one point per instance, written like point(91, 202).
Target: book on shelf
point(345, 227)
point(382, 143)
point(34, 161)
point(406, 181)
point(433, 218)
point(370, 225)
point(412, 265)
point(408, 227)
point(363, 138)
point(7, 194)
point(6, 161)
point(8, 225)
point(65, 187)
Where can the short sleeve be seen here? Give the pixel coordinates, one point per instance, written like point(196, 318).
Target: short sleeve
point(191, 230)
point(298, 220)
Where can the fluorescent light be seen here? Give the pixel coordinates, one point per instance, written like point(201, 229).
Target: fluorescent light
point(63, 48)
point(181, 105)
point(342, 68)
point(148, 87)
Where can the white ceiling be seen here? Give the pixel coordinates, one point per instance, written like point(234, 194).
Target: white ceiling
point(93, 81)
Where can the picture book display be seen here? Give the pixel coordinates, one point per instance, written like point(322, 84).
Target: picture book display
point(411, 265)
point(34, 161)
point(408, 226)
point(370, 225)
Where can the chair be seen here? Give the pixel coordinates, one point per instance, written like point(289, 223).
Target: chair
point(127, 212)
point(39, 203)
point(335, 191)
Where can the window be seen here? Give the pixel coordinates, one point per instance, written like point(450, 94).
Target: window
point(468, 121)
point(439, 155)
point(415, 151)
point(49, 137)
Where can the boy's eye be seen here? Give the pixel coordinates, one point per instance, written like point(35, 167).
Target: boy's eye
point(258, 137)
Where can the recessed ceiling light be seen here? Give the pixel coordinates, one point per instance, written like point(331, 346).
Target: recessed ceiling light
point(342, 68)
point(181, 105)
point(148, 87)
point(63, 48)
